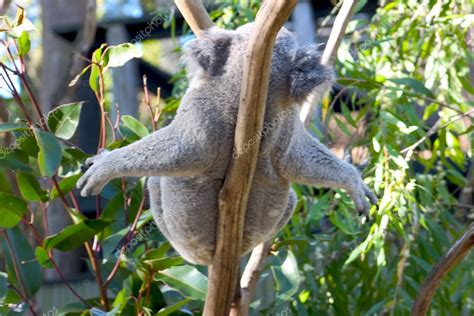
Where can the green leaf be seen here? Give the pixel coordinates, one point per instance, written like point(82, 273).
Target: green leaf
point(286, 275)
point(28, 268)
point(162, 263)
point(30, 188)
point(157, 253)
point(65, 185)
point(134, 125)
point(43, 258)
point(75, 80)
point(24, 44)
point(75, 235)
point(186, 279)
point(64, 119)
point(49, 156)
point(117, 56)
point(12, 210)
point(362, 248)
point(414, 84)
point(94, 78)
point(173, 308)
point(342, 126)
point(10, 127)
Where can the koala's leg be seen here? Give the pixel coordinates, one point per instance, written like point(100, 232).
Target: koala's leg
point(307, 161)
point(171, 151)
point(154, 189)
point(287, 214)
point(249, 243)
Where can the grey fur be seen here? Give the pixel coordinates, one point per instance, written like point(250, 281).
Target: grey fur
point(187, 160)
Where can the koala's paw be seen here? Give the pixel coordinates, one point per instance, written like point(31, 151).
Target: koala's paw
point(96, 177)
point(359, 192)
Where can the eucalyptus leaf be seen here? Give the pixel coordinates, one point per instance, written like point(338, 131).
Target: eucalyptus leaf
point(186, 279)
point(74, 236)
point(12, 210)
point(49, 156)
point(117, 56)
point(64, 119)
point(30, 188)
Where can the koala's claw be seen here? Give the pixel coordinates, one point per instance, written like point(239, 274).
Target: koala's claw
point(90, 161)
point(94, 180)
point(372, 198)
point(359, 193)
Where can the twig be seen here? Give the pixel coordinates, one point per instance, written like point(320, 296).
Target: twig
point(23, 293)
point(127, 239)
point(451, 259)
point(93, 259)
point(330, 52)
point(148, 103)
point(435, 128)
point(338, 31)
point(250, 277)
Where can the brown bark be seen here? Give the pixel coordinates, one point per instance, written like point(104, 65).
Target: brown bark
point(233, 196)
point(195, 15)
point(330, 52)
point(4, 4)
point(249, 279)
point(458, 251)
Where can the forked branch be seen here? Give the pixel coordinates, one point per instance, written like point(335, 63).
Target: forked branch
point(233, 196)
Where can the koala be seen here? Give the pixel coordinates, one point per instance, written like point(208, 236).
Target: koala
point(186, 161)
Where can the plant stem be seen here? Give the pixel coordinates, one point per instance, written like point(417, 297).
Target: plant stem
point(23, 293)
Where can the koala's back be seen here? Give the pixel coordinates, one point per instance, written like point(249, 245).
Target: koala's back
point(186, 208)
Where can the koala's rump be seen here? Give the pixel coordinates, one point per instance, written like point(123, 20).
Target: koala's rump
point(186, 211)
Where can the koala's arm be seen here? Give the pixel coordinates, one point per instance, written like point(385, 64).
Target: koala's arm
point(168, 152)
point(307, 161)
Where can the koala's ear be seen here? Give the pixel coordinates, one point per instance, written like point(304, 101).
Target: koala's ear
point(211, 51)
point(308, 75)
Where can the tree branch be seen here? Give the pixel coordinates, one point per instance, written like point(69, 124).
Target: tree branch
point(330, 52)
point(4, 4)
point(195, 15)
point(233, 197)
point(250, 277)
point(457, 252)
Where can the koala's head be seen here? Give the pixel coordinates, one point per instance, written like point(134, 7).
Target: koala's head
point(296, 71)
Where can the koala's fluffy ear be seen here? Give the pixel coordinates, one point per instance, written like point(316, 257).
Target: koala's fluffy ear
point(210, 51)
point(308, 75)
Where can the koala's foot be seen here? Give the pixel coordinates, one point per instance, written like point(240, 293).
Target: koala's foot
point(96, 177)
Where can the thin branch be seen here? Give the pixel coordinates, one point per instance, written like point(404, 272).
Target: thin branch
point(338, 31)
point(4, 4)
point(233, 197)
point(450, 260)
point(250, 277)
point(435, 128)
point(127, 240)
point(195, 15)
point(330, 52)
